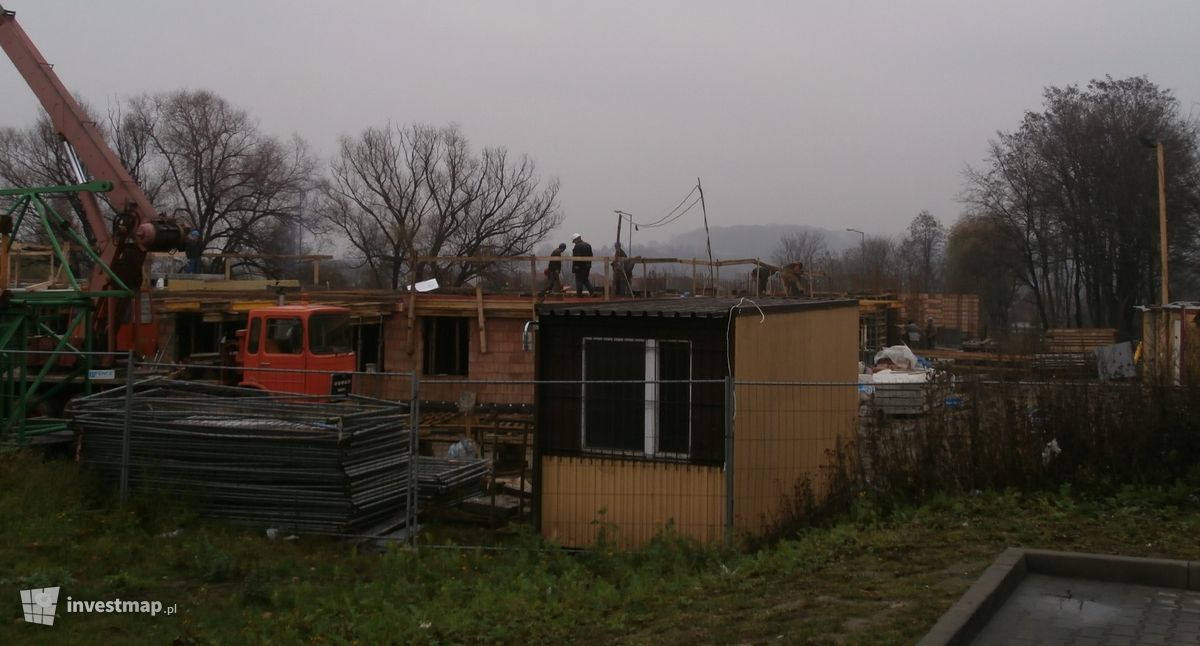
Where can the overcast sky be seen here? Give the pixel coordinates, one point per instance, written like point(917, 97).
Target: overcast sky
point(828, 113)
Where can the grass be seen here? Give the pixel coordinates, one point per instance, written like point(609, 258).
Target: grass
point(869, 577)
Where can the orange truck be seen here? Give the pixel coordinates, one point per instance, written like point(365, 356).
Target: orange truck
point(297, 348)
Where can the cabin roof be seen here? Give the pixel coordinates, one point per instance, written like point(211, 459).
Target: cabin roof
point(700, 307)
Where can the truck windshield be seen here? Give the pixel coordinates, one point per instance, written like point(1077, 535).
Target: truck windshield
point(329, 334)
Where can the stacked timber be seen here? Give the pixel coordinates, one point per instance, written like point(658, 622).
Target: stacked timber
point(1071, 351)
point(1077, 340)
point(256, 458)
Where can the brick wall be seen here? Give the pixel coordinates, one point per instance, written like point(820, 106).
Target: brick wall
point(504, 361)
point(949, 311)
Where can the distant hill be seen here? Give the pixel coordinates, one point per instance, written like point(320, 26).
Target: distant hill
point(739, 241)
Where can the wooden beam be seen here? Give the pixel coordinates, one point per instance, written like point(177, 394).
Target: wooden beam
point(482, 329)
point(412, 321)
point(533, 290)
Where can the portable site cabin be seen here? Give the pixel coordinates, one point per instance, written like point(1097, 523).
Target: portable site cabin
point(631, 411)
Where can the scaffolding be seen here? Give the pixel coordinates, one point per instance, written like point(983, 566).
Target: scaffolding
point(46, 329)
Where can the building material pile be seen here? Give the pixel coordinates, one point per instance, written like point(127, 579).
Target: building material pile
point(447, 482)
point(950, 312)
point(899, 384)
point(1071, 351)
point(312, 466)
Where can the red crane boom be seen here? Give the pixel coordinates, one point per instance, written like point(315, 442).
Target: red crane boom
point(137, 228)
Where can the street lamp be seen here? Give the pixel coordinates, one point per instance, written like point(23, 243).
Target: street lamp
point(1151, 142)
point(863, 247)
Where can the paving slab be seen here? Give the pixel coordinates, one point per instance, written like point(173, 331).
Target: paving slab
point(1049, 597)
point(1074, 612)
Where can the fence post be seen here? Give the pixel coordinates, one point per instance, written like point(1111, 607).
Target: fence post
point(729, 460)
point(414, 418)
point(125, 431)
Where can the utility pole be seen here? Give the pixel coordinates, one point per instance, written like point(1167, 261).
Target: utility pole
point(1157, 145)
point(707, 238)
point(1162, 217)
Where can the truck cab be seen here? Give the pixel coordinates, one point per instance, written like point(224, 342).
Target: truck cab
point(304, 349)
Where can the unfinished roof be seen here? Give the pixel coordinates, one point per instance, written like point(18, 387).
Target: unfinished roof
point(694, 307)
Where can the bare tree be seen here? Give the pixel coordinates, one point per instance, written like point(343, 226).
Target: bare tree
point(399, 193)
point(33, 157)
point(807, 246)
point(235, 184)
point(194, 155)
point(1076, 189)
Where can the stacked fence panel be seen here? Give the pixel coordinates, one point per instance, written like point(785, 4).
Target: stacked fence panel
point(257, 458)
point(447, 481)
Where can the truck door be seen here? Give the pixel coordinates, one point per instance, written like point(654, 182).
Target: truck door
point(331, 354)
point(282, 355)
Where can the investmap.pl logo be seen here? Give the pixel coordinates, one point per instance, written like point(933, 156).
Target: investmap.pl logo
point(39, 605)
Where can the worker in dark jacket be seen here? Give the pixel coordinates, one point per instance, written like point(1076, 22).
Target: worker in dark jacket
point(193, 248)
point(760, 277)
point(581, 268)
point(554, 270)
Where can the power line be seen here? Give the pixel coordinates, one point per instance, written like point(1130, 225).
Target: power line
point(661, 221)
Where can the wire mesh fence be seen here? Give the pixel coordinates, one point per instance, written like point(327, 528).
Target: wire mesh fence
point(289, 462)
point(601, 461)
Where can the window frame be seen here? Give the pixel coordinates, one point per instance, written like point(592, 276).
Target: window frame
point(267, 336)
point(317, 322)
point(652, 411)
point(254, 336)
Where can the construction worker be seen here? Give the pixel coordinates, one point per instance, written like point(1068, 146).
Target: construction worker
point(791, 274)
point(912, 334)
point(582, 269)
point(193, 248)
point(554, 271)
point(761, 276)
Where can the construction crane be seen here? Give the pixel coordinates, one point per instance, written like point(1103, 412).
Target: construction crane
point(136, 229)
point(110, 304)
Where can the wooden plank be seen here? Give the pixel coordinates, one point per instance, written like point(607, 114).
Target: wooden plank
point(483, 348)
point(184, 285)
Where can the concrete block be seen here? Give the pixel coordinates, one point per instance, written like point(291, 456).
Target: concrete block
point(1118, 569)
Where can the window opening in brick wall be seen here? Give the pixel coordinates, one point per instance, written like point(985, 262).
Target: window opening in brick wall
point(447, 345)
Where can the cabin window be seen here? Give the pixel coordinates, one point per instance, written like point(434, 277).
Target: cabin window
point(329, 334)
point(447, 345)
point(284, 336)
point(645, 406)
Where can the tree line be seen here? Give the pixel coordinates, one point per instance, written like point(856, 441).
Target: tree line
point(390, 195)
point(1060, 217)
